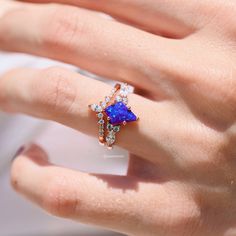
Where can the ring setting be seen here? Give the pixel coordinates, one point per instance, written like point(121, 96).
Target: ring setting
point(112, 113)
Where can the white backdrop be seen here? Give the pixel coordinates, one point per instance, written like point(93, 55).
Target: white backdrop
point(17, 216)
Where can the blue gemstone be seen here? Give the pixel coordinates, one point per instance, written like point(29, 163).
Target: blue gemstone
point(119, 112)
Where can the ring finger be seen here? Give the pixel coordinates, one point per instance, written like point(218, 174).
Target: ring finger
point(63, 96)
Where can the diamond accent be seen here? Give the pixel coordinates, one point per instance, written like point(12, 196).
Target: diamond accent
point(107, 99)
point(116, 128)
point(103, 104)
point(101, 122)
point(100, 115)
point(96, 108)
point(110, 139)
point(125, 100)
point(124, 90)
point(109, 126)
point(118, 98)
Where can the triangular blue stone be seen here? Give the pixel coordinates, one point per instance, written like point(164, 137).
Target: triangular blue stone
point(119, 112)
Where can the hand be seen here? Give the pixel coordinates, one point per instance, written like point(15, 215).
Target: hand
point(180, 56)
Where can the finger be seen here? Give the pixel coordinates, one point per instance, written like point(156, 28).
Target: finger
point(174, 19)
point(64, 96)
point(82, 38)
point(89, 198)
point(115, 202)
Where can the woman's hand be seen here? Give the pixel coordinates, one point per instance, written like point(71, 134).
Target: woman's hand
point(180, 55)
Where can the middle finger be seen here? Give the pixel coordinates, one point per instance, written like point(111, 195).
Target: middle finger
point(83, 38)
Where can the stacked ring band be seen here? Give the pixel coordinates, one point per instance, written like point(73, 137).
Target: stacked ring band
point(112, 113)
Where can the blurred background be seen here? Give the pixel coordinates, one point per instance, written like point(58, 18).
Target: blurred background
point(65, 146)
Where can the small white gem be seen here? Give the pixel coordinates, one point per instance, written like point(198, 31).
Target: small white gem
point(116, 128)
point(110, 139)
point(93, 106)
point(107, 99)
point(100, 115)
point(125, 100)
point(103, 104)
point(96, 108)
point(109, 126)
point(118, 98)
point(101, 122)
point(124, 91)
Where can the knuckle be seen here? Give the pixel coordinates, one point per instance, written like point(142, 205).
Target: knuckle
point(226, 149)
point(53, 91)
point(212, 154)
point(59, 199)
point(184, 215)
point(186, 218)
point(225, 16)
point(63, 30)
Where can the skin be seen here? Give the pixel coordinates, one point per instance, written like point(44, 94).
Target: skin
point(180, 55)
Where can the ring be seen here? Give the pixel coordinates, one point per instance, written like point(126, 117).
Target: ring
point(112, 113)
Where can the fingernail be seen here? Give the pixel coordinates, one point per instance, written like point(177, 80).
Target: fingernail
point(19, 151)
